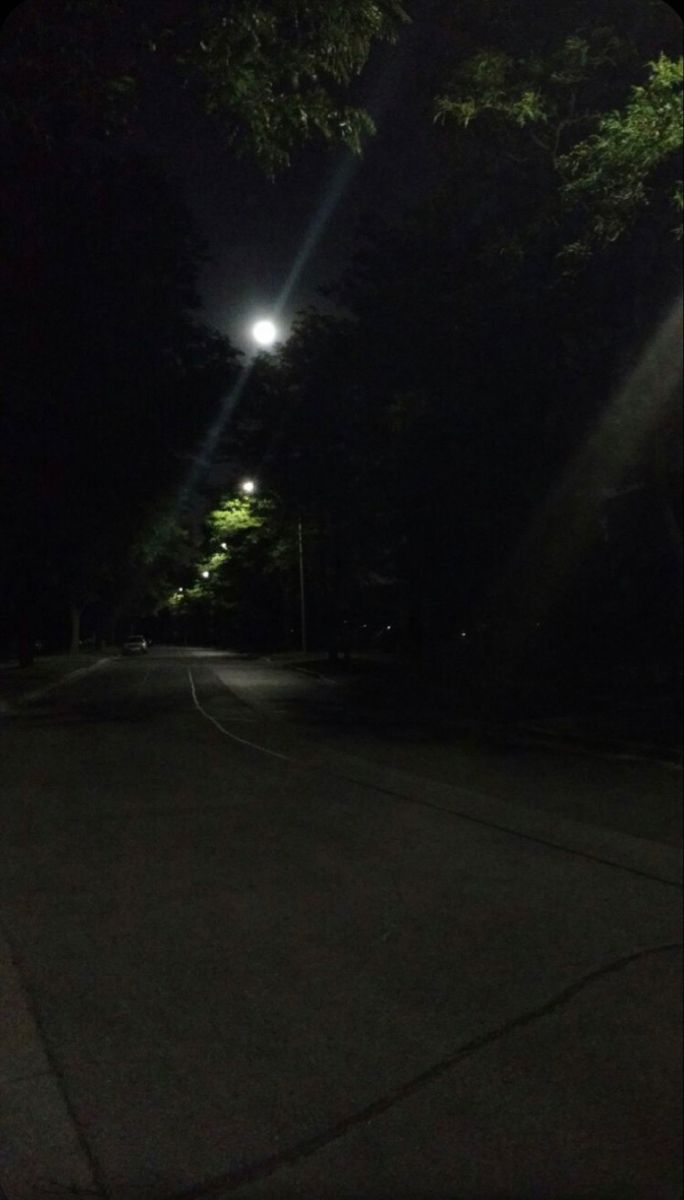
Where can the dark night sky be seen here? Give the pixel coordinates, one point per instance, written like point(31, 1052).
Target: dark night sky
point(256, 229)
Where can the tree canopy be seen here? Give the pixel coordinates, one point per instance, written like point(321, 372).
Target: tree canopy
point(272, 72)
point(601, 127)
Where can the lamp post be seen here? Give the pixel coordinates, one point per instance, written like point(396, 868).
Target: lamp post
point(302, 592)
point(248, 488)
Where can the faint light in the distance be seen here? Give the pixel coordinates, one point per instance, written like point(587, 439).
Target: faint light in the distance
point(264, 333)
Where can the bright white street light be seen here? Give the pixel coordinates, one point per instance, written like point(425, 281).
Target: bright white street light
point(205, 574)
point(248, 486)
point(264, 333)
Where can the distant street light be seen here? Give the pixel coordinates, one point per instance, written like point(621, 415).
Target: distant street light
point(248, 486)
point(205, 574)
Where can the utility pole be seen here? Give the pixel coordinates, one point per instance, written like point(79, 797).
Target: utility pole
point(302, 594)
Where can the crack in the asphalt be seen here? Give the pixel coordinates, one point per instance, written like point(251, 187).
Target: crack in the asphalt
point(260, 1169)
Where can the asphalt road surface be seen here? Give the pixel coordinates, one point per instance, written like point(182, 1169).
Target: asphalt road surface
point(282, 957)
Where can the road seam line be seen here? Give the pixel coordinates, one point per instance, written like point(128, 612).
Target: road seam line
point(409, 799)
point(489, 824)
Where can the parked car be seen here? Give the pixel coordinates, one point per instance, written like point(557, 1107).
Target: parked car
point(135, 644)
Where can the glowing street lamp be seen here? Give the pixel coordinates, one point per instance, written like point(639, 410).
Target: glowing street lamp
point(264, 333)
point(248, 486)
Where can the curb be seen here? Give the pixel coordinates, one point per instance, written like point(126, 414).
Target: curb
point(302, 669)
point(668, 757)
point(612, 847)
point(646, 752)
point(310, 673)
point(43, 1152)
point(543, 739)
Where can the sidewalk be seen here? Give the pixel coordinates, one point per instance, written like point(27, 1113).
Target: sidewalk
point(21, 684)
point(650, 730)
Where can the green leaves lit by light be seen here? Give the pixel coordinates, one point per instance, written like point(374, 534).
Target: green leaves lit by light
point(236, 517)
point(490, 83)
point(607, 166)
point(611, 173)
point(231, 528)
point(545, 92)
point(271, 71)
